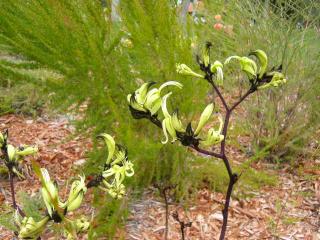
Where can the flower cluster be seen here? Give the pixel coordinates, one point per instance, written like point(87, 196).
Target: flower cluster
point(172, 125)
point(13, 156)
point(256, 72)
point(116, 168)
point(56, 209)
point(146, 101)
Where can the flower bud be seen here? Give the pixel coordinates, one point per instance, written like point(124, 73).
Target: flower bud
point(168, 128)
point(2, 140)
point(176, 123)
point(205, 115)
point(78, 189)
point(117, 192)
point(11, 151)
point(247, 65)
point(17, 173)
point(49, 192)
point(27, 151)
point(206, 54)
point(263, 60)
point(214, 136)
point(82, 224)
point(185, 70)
point(111, 145)
point(216, 68)
point(31, 229)
point(278, 79)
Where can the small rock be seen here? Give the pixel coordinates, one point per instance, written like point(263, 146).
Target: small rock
point(79, 162)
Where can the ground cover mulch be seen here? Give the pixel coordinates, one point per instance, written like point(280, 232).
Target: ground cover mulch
point(289, 210)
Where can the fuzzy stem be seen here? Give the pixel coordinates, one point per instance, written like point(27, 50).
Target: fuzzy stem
point(225, 211)
point(167, 212)
point(14, 204)
point(232, 176)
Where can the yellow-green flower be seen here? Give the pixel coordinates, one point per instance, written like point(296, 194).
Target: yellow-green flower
point(185, 70)
point(146, 100)
point(30, 229)
point(77, 191)
point(277, 80)
point(27, 150)
point(111, 145)
point(205, 115)
point(169, 124)
point(216, 68)
point(263, 60)
point(49, 192)
point(117, 168)
point(247, 65)
point(214, 136)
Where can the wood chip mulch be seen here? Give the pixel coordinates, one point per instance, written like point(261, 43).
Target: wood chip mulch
point(290, 210)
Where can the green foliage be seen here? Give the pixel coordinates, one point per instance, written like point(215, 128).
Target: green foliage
point(6, 217)
point(283, 122)
point(111, 212)
point(75, 52)
point(21, 99)
point(31, 206)
point(206, 173)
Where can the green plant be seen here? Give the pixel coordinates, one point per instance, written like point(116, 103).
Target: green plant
point(259, 79)
point(293, 44)
point(116, 168)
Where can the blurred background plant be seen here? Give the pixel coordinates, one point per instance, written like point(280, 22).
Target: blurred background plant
point(88, 55)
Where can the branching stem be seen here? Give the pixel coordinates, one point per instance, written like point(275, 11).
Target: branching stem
point(233, 177)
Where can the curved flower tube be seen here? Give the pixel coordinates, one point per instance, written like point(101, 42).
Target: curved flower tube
point(149, 101)
point(277, 80)
point(247, 65)
point(214, 136)
point(111, 145)
point(77, 191)
point(205, 115)
point(169, 123)
point(216, 68)
point(30, 229)
point(263, 60)
point(185, 70)
point(49, 192)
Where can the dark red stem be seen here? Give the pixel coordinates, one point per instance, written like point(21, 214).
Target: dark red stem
point(232, 176)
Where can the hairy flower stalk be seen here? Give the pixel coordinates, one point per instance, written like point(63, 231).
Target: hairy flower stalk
point(116, 169)
point(12, 159)
point(171, 125)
